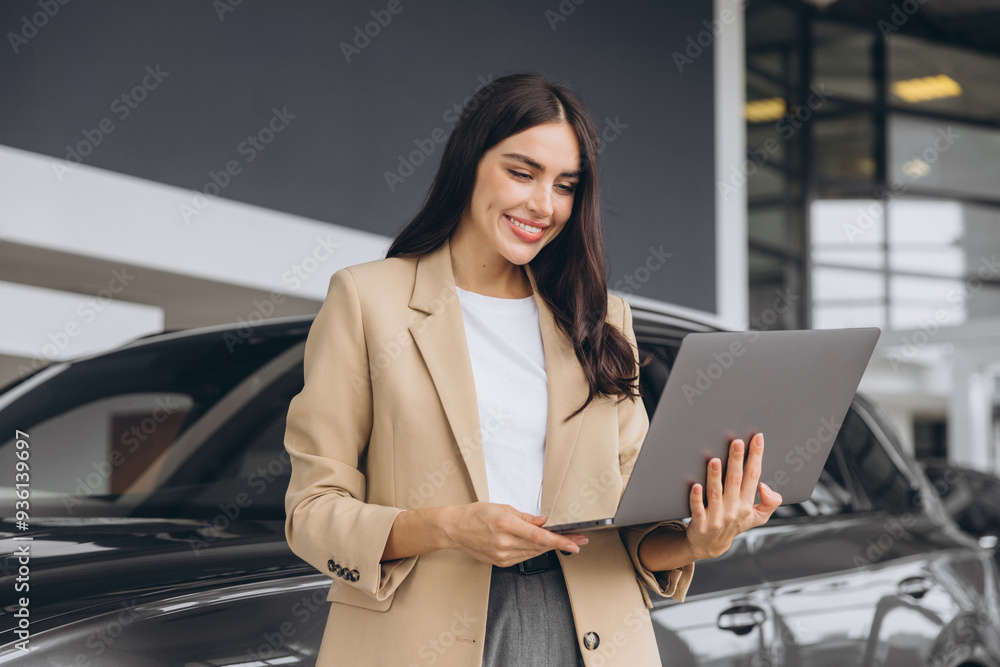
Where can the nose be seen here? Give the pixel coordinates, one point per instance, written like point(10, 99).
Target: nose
point(540, 203)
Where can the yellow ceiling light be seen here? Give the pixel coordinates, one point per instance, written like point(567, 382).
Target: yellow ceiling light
point(762, 111)
point(927, 88)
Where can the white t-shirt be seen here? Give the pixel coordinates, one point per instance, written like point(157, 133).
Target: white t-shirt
point(508, 364)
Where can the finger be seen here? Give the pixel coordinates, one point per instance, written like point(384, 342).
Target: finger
point(713, 491)
point(697, 504)
point(770, 501)
point(734, 471)
point(755, 458)
point(547, 540)
point(535, 537)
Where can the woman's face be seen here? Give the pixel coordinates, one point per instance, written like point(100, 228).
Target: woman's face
point(529, 177)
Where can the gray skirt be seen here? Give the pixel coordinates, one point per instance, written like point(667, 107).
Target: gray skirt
point(529, 622)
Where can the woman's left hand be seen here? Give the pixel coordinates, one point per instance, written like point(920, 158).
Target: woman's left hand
point(730, 510)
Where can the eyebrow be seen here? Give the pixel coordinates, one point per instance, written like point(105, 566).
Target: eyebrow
point(535, 165)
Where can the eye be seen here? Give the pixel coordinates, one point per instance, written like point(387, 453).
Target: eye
point(518, 174)
point(568, 189)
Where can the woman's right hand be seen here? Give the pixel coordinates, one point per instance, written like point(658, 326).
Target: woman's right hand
point(501, 535)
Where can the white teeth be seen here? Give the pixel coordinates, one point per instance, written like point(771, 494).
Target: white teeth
point(533, 230)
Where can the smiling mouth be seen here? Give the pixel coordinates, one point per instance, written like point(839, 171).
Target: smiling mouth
point(528, 228)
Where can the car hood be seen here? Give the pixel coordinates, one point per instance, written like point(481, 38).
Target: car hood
point(75, 564)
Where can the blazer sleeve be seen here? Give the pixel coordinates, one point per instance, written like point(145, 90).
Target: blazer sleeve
point(633, 424)
point(328, 524)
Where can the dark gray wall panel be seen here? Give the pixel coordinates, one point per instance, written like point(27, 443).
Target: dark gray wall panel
point(353, 120)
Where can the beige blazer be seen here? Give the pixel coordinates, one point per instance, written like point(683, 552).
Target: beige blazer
point(388, 421)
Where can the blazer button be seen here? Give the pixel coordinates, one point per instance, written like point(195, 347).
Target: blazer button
point(591, 640)
point(330, 565)
point(354, 575)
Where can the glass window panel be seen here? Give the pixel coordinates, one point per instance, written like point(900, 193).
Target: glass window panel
point(765, 183)
point(837, 317)
point(759, 88)
point(776, 226)
point(943, 261)
point(767, 225)
point(773, 281)
point(915, 316)
point(863, 258)
point(925, 221)
point(764, 269)
point(767, 143)
point(866, 459)
point(845, 284)
point(914, 60)
point(839, 221)
point(842, 61)
point(769, 23)
point(774, 61)
point(845, 146)
point(936, 291)
point(940, 155)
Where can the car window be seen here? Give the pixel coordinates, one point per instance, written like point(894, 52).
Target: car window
point(107, 433)
point(831, 495)
point(653, 377)
point(242, 468)
point(883, 484)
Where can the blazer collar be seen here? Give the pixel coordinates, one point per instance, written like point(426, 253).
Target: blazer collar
point(441, 339)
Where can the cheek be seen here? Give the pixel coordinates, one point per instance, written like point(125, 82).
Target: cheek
point(565, 210)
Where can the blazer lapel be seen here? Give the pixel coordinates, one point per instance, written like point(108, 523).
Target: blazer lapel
point(441, 339)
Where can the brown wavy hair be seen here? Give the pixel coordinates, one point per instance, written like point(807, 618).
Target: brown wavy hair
point(569, 272)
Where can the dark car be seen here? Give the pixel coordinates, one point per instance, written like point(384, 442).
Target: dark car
point(971, 497)
point(154, 529)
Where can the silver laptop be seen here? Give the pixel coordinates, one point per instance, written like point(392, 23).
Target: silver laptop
point(795, 387)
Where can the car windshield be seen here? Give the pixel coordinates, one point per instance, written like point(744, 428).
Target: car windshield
point(177, 427)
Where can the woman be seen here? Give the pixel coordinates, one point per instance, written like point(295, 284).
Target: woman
point(473, 386)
